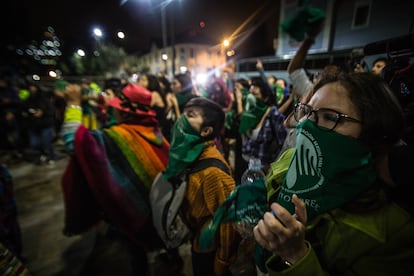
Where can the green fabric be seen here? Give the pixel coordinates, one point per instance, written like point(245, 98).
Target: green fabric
point(250, 118)
point(277, 172)
point(246, 203)
point(183, 97)
point(186, 145)
point(327, 170)
point(300, 24)
point(24, 94)
point(380, 242)
point(280, 94)
point(203, 92)
point(60, 85)
point(95, 87)
point(230, 119)
point(86, 107)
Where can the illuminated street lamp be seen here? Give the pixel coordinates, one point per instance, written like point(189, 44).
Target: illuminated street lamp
point(81, 52)
point(121, 35)
point(225, 49)
point(226, 43)
point(97, 33)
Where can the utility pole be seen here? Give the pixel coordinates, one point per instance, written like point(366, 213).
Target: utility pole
point(164, 37)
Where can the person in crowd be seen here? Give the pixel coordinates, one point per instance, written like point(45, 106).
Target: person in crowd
point(262, 127)
point(231, 126)
point(182, 88)
point(59, 104)
point(111, 170)
point(217, 91)
point(378, 64)
point(38, 114)
point(301, 83)
point(89, 105)
point(277, 85)
point(269, 80)
point(12, 261)
point(171, 106)
point(339, 220)
point(106, 115)
point(10, 231)
point(158, 101)
point(193, 138)
point(10, 122)
point(359, 66)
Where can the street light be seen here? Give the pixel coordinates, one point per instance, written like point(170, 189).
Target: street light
point(164, 5)
point(226, 43)
point(81, 52)
point(121, 35)
point(97, 32)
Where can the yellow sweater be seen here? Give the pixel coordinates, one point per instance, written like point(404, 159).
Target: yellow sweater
point(206, 190)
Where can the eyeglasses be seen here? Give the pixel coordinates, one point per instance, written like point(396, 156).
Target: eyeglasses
point(324, 118)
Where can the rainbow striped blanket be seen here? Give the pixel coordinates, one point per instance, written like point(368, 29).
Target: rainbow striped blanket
point(109, 177)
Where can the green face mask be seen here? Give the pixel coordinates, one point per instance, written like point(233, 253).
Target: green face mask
point(327, 170)
point(186, 145)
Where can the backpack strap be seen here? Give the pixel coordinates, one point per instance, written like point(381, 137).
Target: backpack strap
point(198, 166)
point(208, 162)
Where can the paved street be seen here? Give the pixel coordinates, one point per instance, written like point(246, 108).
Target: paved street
point(48, 252)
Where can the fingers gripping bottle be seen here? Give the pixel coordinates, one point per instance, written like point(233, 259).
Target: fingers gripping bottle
point(250, 215)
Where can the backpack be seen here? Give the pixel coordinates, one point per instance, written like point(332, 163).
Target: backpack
point(166, 197)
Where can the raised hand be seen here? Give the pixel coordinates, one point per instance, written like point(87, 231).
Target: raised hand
point(283, 233)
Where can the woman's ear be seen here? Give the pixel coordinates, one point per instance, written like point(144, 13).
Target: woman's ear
point(206, 131)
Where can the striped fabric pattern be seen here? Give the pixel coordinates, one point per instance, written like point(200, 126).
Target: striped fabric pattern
point(118, 165)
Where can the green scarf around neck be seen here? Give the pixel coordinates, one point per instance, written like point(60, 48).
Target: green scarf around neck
point(183, 98)
point(186, 146)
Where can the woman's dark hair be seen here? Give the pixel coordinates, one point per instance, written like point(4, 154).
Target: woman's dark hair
point(114, 84)
point(267, 94)
point(153, 84)
point(379, 110)
point(166, 83)
point(243, 82)
point(213, 115)
point(186, 82)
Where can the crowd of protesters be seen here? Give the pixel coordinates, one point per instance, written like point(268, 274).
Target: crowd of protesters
point(265, 117)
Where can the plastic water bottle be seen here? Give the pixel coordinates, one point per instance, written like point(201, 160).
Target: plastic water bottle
point(253, 172)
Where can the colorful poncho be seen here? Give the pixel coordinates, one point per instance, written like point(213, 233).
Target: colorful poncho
point(109, 178)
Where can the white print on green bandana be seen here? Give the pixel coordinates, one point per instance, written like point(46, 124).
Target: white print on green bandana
point(307, 162)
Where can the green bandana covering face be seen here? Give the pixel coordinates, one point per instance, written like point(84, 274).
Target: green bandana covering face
point(280, 93)
point(186, 145)
point(250, 118)
point(327, 170)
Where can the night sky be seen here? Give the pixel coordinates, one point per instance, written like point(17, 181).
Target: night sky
point(73, 21)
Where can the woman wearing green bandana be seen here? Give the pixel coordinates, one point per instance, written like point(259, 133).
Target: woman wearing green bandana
point(334, 214)
point(261, 126)
point(193, 139)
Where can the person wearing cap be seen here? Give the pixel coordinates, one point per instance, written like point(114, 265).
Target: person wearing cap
point(111, 170)
point(193, 139)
